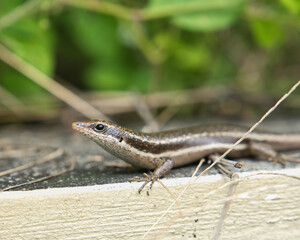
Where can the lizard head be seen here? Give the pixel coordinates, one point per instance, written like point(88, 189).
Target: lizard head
point(105, 133)
point(114, 139)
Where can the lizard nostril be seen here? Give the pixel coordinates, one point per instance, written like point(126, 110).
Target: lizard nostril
point(75, 125)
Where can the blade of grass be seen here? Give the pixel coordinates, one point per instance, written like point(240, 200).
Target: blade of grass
point(293, 88)
point(19, 12)
point(49, 84)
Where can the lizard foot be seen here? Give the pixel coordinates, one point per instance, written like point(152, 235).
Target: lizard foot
point(224, 161)
point(279, 158)
point(283, 159)
point(151, 178)
point(165, 165)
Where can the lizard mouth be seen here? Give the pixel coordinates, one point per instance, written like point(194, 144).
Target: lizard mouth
point(87, 129)
point(81, 127)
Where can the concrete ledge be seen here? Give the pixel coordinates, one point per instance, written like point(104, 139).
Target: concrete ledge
point(117, 211)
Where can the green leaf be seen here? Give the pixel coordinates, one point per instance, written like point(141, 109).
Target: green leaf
point(292, 5)
point(104, 77)
point(215, 20)
point(17, 84)
point(31, 40)
point(110, 68)
point(267, 33)
point(202, 15)
point(117, 76)
point(95, 34)
point(7, 6)
point(191, 57)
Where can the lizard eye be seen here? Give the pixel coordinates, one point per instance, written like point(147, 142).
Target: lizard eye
point(99, 127)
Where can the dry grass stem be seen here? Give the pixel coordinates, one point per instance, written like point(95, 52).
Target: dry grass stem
point(12, 103)
point(23, 10)
point(173, 203)
point(47, 158)
point(51, 156)
point(49, 84)
point(145, 113)
point(225, 209)
point(225, 154)
point(230, 197)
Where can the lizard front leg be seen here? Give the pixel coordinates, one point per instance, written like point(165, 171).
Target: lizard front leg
point(165, 165)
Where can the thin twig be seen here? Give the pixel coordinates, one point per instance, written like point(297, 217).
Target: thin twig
point(168, 190)
point(12, 103)
point(223, 155)
point(252, 128)
point(169, 111)
point(185, 7)
point(145, 113)
point(246, 178)
point(105, 7)
point(113, 103)
point(49, 84)
point(147, 47)
point(243, 195)
point(261, 189)
point(16, 153)
point(46, 158)
point(173, 203)
point(72, 165)
point(19, 12)
point(225, 209)
point(233, 182)
point(145, 14)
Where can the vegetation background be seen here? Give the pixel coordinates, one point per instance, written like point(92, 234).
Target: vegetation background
point(147, 47)
point(197, 60)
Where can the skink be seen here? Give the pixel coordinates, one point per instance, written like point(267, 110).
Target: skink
point(161, 151)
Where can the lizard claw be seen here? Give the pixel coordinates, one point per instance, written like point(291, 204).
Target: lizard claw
point(146, 179)
point(279, 158)
point(139, 179)
point(283, 159)
point(165, 165)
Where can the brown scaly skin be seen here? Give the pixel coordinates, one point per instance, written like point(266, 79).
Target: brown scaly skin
point(164, 150)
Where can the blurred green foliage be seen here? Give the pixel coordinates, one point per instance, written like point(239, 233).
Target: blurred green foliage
point(165, 45)
point(216, 15)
